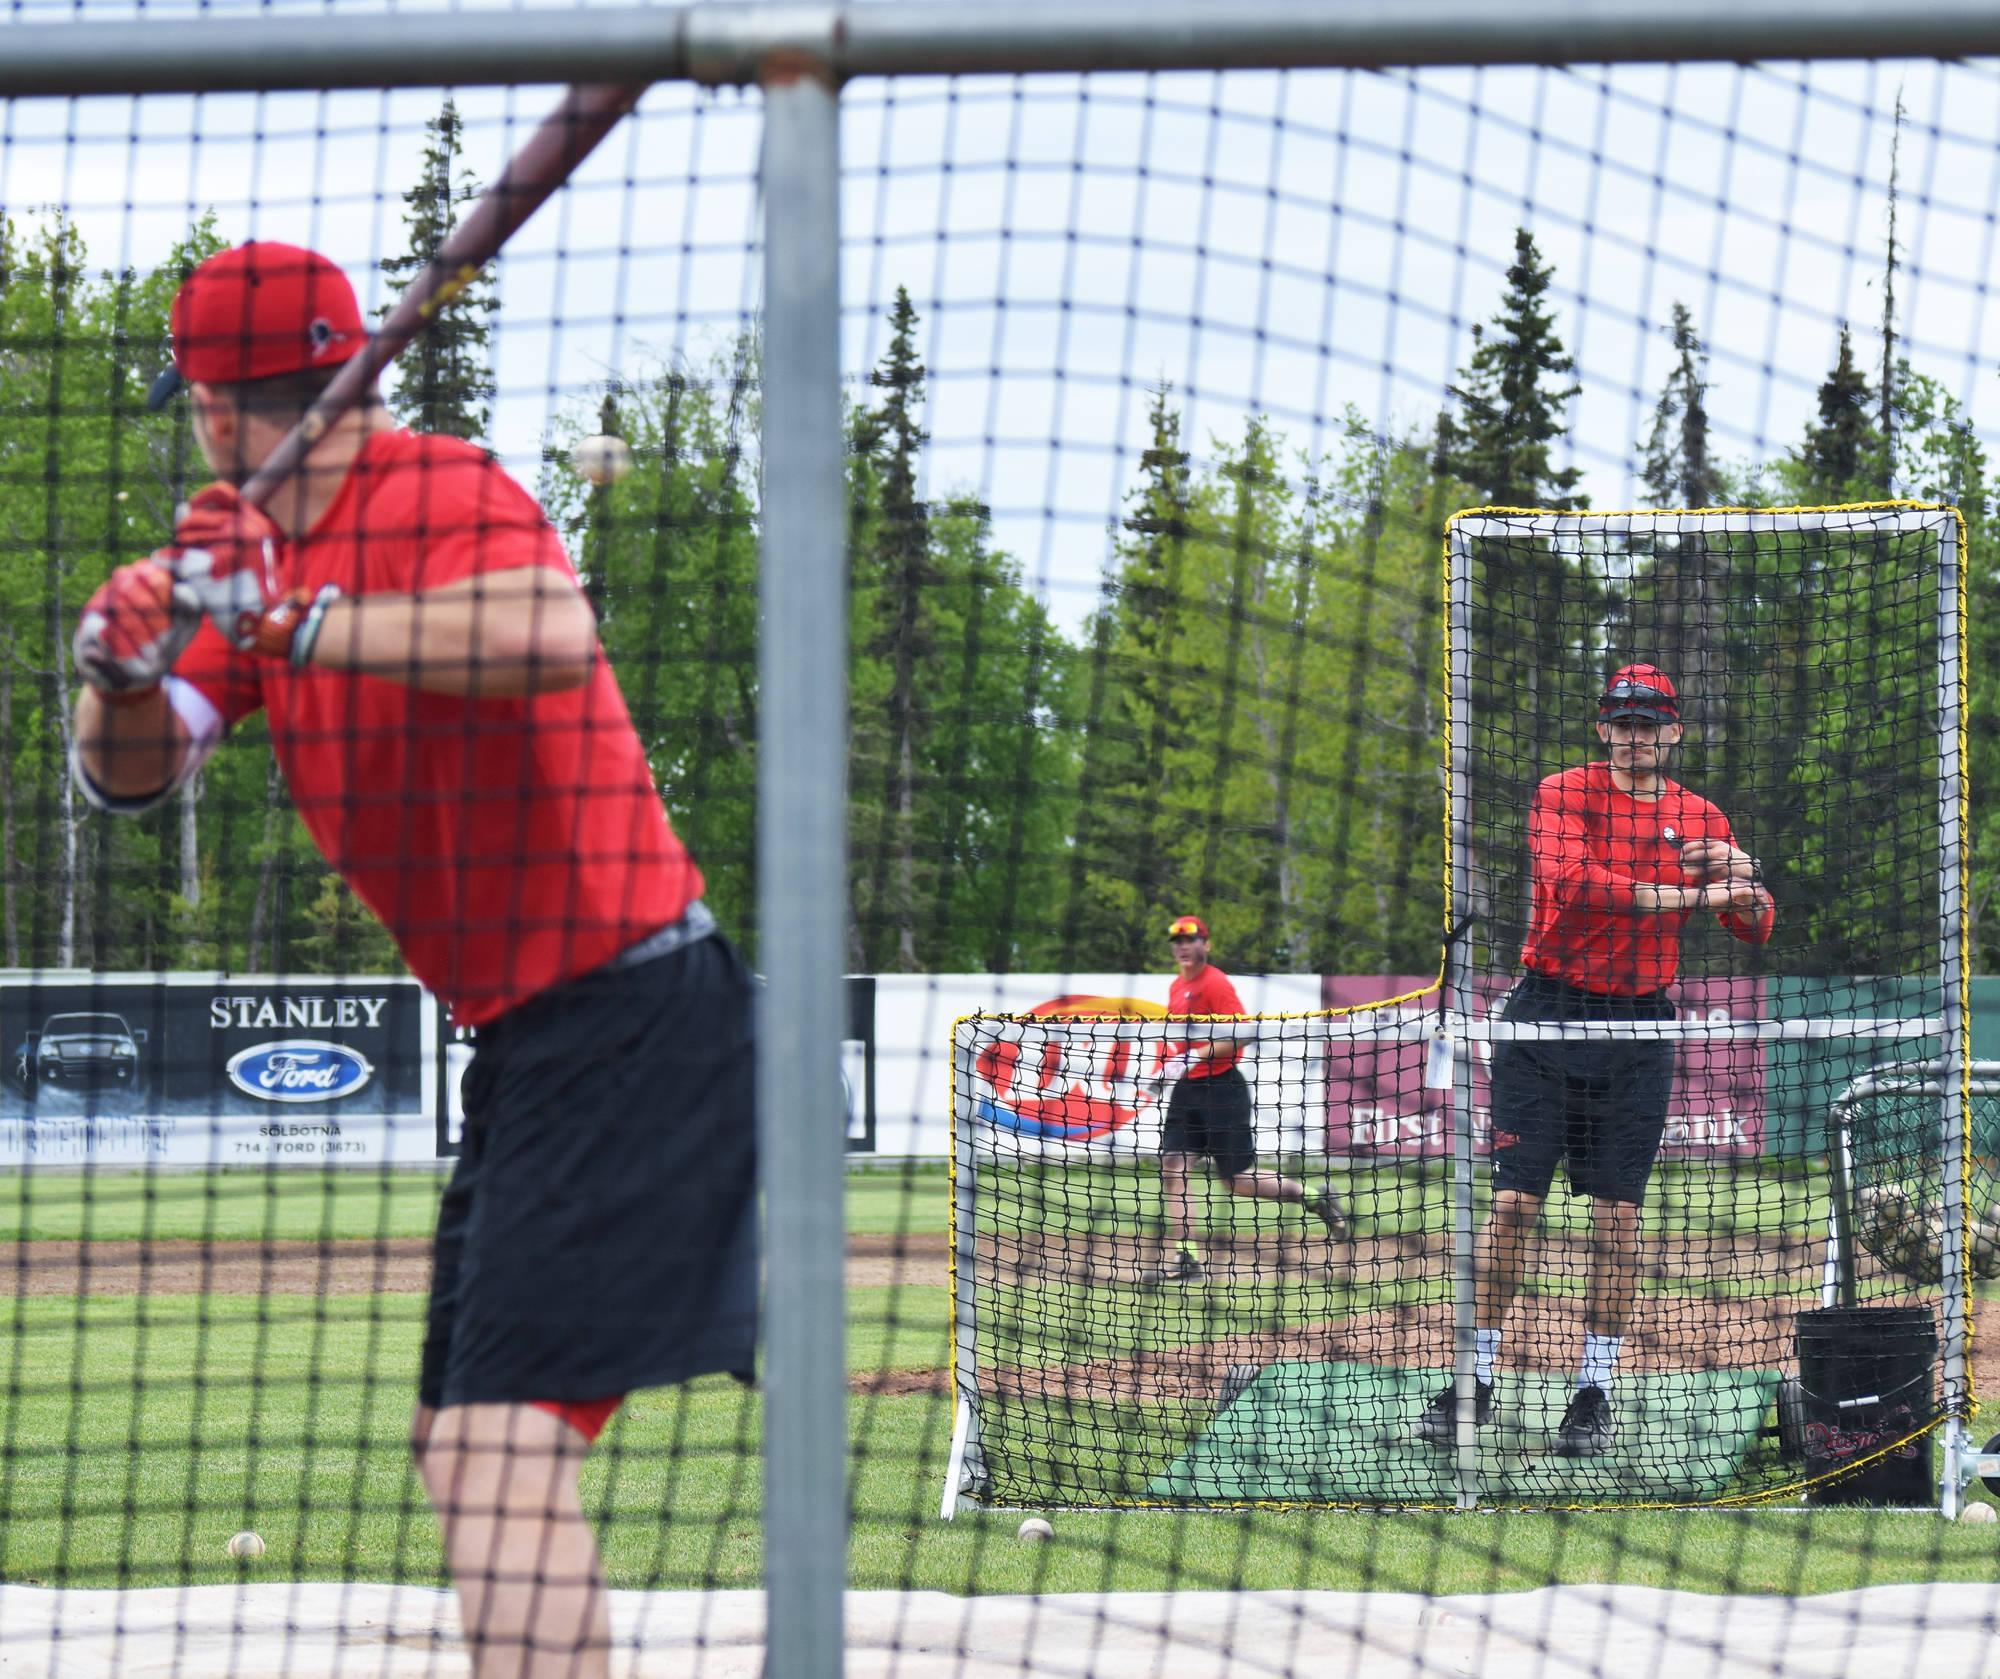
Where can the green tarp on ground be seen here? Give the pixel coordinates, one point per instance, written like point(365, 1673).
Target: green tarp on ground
point(1340, 1433)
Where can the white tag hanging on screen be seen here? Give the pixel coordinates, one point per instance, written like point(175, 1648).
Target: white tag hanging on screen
point(1438, 1064)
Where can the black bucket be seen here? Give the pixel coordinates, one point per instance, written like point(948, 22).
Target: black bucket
point(1865, 1375)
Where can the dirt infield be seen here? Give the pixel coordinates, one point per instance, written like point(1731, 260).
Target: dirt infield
point(104, 1268)
point(1677, 1332)
point(328, 1268)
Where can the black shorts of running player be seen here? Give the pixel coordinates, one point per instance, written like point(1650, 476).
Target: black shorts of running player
point(1598, 1106)
point(1211, 1116)
point(599, 1232)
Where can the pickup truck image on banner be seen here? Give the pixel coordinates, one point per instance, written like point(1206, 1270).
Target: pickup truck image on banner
point(200, 1069)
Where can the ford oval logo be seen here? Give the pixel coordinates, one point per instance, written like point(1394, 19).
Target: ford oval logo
point(299, 1070)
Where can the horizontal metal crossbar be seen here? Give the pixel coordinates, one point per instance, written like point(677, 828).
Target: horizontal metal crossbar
point(1483, 1029)
point(1744, 523)
point(731, 43)
point(1918, 1078)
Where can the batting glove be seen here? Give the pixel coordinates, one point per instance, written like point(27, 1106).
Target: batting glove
point(1168, 1072)
point(228, 556)
point(134, 628)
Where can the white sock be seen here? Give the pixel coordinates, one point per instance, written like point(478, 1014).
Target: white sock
point(1600, 1359)
point(1485, 1353)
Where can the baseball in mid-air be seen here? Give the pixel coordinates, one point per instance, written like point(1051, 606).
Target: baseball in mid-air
point(246, 1545)
point(1979, 1513)
point(603, 459)
point(1034, 1528)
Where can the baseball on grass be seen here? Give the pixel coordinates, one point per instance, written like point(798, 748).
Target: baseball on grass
point(1034, 1528)
point(246, 1545)
point(1979, 1513)
point(603, 459)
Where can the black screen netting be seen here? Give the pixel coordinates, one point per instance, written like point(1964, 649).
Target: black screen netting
point(1654, 1096)
point(1420, 1078)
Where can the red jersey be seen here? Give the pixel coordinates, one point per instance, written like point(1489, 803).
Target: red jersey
point(1588, 844)
point(508, 844)
point(1209, 992)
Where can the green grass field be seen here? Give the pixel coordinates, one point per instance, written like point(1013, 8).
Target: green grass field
point(137, 1434)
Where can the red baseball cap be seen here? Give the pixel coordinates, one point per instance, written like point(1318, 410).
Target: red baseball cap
point(257, 311)
point(1187, 927)
point(1639, 691)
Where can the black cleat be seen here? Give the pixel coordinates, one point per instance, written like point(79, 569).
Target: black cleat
point(1588, 1427)
point(1182, 1268)
point(1438, 1424)
point(1326, 1207)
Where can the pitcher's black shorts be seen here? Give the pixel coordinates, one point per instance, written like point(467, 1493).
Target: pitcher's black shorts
point(1211, 1116)
point(599, 1233)
point(1598, 1106)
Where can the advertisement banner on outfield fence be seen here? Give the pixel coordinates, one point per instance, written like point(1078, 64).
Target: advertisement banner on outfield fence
point(1054, 1077)
point(207, 1070)
point(1377, 1101)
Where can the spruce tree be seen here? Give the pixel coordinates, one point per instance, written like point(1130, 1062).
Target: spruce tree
point(1512, 394)
point(1843, 447)
point(444, 380)
point(1677, 609)
point(1679, 472)
point(1135, 712)
point(891, 435)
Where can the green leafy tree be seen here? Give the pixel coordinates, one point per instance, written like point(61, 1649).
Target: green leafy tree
point(668, 555)
point(88, 479)
point(1263, 708)
point(960, 780)
point(444, 380)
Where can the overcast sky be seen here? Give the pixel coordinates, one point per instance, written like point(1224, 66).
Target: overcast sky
point(1279, 244)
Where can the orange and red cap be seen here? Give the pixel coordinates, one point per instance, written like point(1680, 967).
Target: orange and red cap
point(1187, 927)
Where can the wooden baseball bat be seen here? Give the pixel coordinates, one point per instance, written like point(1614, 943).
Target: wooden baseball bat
point(566, 137)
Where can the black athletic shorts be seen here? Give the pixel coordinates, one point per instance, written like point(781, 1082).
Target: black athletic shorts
point(599, 1233)
point(1211, 1116)
point(1598, 1106)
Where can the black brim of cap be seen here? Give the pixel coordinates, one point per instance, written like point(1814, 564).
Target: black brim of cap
point(164, 389)
point(1650, 713)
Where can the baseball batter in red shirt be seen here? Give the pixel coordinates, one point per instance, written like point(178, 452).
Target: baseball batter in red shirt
point(1621, 856)
point(1209, 1112)
point(408, 623)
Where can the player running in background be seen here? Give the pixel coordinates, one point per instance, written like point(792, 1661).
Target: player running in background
point(407, 621)
point(1209, 1111)
point(1621, 856)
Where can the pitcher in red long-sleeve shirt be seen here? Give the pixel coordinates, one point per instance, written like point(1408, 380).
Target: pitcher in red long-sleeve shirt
point(1209, 1113)
point(1621, 856)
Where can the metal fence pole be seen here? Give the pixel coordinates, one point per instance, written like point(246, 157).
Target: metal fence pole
point(1458, 978)
point(1955, 1107)
point(802, 877)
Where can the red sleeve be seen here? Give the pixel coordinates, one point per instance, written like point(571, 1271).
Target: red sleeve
point(1742, 926)
point(1559, 851)
point(1218, 995)
point(463, 515)
point(228, 680)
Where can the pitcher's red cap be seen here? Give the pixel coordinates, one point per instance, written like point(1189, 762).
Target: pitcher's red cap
point(1187, 926)
point(1639, 691)
point(257, 311)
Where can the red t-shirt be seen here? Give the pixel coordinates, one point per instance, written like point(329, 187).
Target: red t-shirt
point(508, 844)
point(1588, 844)
point(1209, 992)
